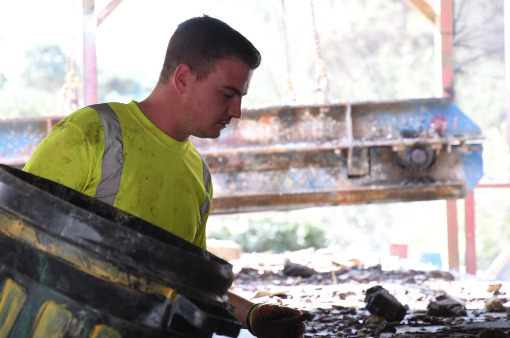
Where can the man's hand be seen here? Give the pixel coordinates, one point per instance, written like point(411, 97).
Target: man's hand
point(274, 321)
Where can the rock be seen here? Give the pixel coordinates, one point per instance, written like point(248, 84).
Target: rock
point(386, 327)
point(374, 320)
point(445, 306)
point(265, 293)
point(493, 333)
point(336, 315)
point(494, 287)
point(294, 270)
point(440, 275)
point(380, 302)
point(495, 304)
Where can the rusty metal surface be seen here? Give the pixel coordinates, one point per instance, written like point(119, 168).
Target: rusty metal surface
point(339, 196)
point(298, 156)
point(346, 125)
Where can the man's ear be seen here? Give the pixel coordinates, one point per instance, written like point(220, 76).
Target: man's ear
point(182, 76)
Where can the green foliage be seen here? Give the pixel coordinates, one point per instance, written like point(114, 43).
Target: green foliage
point(368, 57)
point(40, 103)
point(45, 67)
point(119, 89)
point(273, 233)
point(221, 232)
point(358, 229)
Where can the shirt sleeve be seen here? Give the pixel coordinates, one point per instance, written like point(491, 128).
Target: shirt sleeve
point(68, 155)
point(201, 236)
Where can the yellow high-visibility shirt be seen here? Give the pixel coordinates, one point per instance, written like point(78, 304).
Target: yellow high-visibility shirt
point(162, 180)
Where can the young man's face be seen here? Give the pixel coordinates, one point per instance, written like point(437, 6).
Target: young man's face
point(216, 100)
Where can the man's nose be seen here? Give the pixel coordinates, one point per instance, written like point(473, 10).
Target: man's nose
point(235, 108)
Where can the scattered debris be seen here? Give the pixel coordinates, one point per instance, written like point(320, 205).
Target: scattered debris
point(338, 293)
point(493, 333)
point(445, 306)
point(494, 288)
point(495, 304)
point(445, 275)
point(292, 270)
point(386, 327)
point(381, 303)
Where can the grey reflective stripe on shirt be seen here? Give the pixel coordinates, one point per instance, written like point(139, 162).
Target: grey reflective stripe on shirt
point(204, 208)
point(113, 157)
point(113, 160)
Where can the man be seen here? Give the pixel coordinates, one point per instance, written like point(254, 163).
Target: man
point(138, 156)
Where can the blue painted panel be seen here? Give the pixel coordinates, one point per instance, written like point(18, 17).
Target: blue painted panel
point(472, 163)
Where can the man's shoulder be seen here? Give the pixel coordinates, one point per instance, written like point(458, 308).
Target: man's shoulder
point(85, 118)
point(90, 114)
point(83, 114)
point(120, 107)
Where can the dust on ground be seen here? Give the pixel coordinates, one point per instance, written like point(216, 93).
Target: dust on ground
point(333, 288)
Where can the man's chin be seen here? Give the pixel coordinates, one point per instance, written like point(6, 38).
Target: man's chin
point(209, 135)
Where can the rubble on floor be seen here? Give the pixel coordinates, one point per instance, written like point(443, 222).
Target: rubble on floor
point(351, 298)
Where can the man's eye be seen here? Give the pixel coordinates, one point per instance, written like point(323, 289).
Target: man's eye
point(228, 96)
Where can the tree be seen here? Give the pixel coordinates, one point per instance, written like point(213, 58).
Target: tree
point(45, 67)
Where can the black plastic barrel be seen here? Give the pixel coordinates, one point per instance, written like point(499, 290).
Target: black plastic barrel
point(72, 266)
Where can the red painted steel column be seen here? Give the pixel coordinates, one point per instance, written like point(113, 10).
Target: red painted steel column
point(446, 30)
point(453, 234)
point(507, 62)
point(470, 234)
point(445, 36)
point(89, 53)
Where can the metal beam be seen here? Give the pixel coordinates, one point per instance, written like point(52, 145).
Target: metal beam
point(227, 204)
point(426, 9)
point(299, 156)
point(109, 8)
point(283, 158)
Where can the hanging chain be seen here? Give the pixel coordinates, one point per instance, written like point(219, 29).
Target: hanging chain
point(69, 90)
point(321, 78)
point(289, 94)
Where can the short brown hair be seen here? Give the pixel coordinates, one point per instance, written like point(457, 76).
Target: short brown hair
point(200, 42)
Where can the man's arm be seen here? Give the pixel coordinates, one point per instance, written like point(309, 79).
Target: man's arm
point(268, 320)
point(239, 307)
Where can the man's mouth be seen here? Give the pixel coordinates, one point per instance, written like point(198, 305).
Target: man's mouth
point(224, 124)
